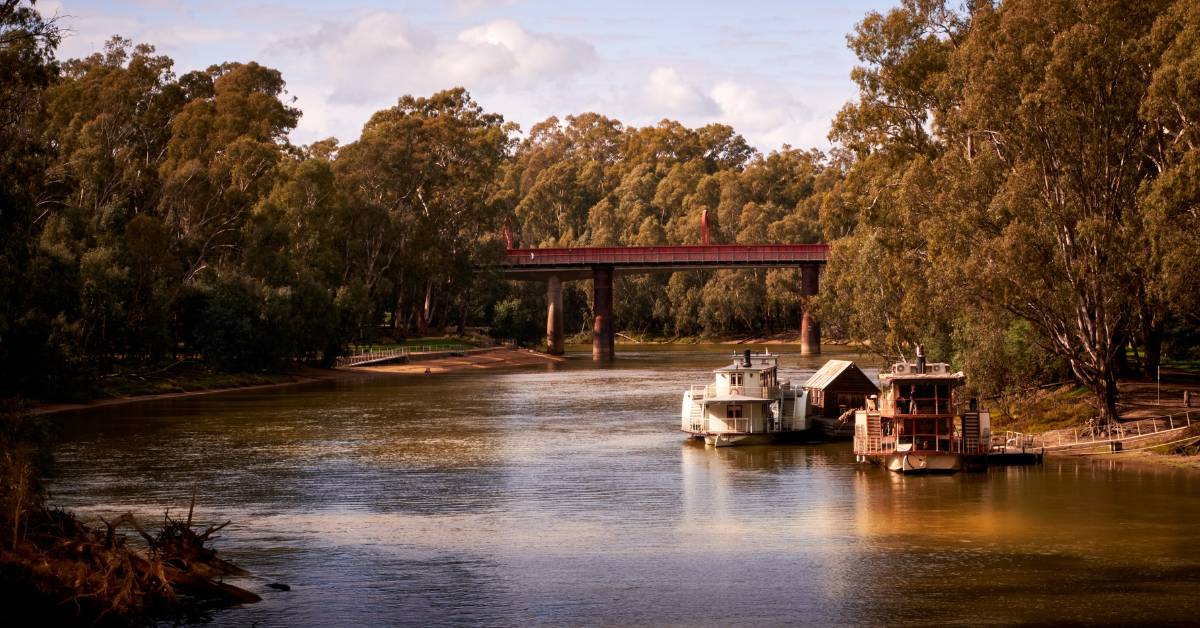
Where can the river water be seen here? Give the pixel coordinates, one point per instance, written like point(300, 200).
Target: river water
point(564, 495)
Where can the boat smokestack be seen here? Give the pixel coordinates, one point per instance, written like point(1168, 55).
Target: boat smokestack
point(921, 359)
point(746, 358)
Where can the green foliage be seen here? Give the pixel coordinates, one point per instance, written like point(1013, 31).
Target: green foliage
point(590, 181)
point(513, 319)
point(1016, 187)
point(1018, 191)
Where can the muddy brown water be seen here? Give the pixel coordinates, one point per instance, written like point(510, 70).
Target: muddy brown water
point(563, 495)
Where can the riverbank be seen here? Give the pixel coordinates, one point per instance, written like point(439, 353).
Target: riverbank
point(1145, 401)
point(497, 357)
point(197, 388)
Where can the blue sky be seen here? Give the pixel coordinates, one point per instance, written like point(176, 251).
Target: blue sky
point(776, 71)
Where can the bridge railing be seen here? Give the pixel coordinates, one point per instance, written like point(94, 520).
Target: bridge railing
point(719, 253)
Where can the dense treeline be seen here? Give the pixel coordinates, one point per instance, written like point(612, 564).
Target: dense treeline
point(149, 216)
point(1025, 187)
point(1016, 187)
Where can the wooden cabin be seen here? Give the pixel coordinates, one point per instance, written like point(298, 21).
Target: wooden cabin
point(837, 387)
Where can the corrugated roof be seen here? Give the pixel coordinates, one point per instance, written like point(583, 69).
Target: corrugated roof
point(828, 373)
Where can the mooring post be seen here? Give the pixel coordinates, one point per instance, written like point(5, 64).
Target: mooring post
point(810, 327)
point(603, 347)
point(554, 316)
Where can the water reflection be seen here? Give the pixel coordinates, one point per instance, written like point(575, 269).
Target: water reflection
point(565, 496)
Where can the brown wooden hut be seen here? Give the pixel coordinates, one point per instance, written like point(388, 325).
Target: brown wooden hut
point(837, 387)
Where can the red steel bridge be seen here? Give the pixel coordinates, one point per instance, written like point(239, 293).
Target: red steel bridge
point(600, 264)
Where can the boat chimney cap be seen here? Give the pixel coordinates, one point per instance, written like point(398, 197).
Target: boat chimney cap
point(746, 358)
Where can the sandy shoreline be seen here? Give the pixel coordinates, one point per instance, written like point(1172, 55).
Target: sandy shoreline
point(494, 358)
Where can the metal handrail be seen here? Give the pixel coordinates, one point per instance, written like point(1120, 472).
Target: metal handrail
point(359, 358)
point(670, 254)
point(1142, 428)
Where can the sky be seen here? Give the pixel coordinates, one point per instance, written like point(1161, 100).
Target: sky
point(776, 71)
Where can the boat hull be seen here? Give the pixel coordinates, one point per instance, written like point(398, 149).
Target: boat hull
point(730, 439)
point(911, 463)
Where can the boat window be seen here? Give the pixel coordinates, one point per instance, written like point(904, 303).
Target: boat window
point(733, 411)
point(735, 379)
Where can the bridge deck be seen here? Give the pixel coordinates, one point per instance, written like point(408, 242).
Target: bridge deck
point(578, 262)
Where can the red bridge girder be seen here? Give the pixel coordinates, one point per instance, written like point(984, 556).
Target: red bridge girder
point(567, 263)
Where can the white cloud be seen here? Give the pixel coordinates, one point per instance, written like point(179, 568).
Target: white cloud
point(471, 7)
point(665, 90)
point(769, 116)
point(343, 63)
point(526, 55)
point(383, 54)
point(359, 67)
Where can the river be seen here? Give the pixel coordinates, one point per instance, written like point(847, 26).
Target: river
point(564, 495)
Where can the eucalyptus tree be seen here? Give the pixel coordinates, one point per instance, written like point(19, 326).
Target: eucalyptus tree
point(1045, 156)
point(109, 118)
point(34, 346)
point(1171, 201)
point(423, 182)
point(226, 143)
point(1003, 159)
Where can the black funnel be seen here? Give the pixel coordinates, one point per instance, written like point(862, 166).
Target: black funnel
point(746, 358)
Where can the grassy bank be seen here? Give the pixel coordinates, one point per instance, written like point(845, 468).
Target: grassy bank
point(183, 378)
point(1067, 408)
point(1041, 410)
point(126, 382)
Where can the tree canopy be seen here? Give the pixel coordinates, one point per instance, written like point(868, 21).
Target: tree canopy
point(1016, 186)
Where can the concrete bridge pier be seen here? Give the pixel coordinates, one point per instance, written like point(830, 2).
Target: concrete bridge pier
point(603, 347)
point(554, 316)
point(810, 327)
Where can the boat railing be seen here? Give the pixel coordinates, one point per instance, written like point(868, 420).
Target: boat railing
point(739, 425)
point(922, 405)
point(867, 442)
point(757, 392)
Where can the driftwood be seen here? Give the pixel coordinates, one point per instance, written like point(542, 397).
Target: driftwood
point(180, 557)
point(65, 571)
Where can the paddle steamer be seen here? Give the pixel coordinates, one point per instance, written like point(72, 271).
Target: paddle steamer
point(919, 424)
point(745, 405)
